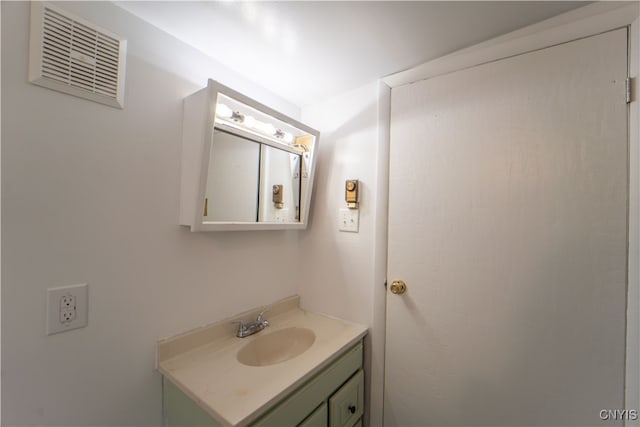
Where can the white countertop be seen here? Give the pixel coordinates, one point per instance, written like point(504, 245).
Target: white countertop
point(203, 363)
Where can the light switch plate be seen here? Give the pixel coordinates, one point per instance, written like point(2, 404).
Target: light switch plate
point(282, 215)
point(67, 308)
point(349, 220)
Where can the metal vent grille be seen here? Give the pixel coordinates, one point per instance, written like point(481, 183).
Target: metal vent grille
point(73, 56)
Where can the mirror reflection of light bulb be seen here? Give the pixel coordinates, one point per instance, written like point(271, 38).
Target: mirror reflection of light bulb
point(258, 125)
point(266, 128)
point(223, 111)
point(249, 121)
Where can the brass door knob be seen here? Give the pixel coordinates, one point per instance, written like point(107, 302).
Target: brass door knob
point(398, 287)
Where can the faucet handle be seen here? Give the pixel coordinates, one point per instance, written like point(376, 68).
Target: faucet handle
point(241, 324)
point(261, 320)
point(242, 328)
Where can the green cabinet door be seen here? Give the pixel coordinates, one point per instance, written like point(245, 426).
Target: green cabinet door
point(346, 404)
point(318, 418)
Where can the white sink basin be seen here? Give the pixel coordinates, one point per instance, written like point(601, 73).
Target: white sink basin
point(276, 347)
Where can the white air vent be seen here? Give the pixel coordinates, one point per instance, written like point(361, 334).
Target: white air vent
point(71, 55)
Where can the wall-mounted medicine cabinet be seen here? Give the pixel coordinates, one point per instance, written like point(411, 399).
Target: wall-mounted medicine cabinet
point(245, 166)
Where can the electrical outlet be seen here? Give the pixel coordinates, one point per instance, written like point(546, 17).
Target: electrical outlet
point(67, 316)
point(67, 308)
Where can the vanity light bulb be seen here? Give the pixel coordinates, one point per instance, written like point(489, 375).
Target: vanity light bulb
point(249, 121)
point(268, 128)
point(223, 111)
point(288, 138)
point(258, 125)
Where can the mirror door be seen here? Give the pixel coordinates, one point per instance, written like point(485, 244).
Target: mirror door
point(233, 180)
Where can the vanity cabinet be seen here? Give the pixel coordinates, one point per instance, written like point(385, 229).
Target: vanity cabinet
point(333, 397)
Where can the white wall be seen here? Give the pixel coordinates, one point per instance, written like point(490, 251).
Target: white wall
point(90, 194)
point(345, 272)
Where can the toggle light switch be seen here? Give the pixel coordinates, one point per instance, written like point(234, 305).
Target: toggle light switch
point(349, 220)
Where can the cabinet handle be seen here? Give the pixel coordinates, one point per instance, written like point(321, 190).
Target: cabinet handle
point(352, 409)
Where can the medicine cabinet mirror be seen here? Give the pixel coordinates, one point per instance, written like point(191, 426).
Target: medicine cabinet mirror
point(245, 166)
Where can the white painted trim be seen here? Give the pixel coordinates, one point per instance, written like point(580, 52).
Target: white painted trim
point(378, 329)
point(632, 377)
point(0, 235)
point(578, 23)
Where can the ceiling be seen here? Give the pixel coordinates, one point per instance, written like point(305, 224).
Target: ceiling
point(308, 50)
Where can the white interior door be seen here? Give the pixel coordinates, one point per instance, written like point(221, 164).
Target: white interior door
point(508, 223)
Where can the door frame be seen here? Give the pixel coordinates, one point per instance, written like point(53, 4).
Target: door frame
point(583, 22)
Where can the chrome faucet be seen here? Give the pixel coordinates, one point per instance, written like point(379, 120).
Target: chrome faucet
point(246, 329)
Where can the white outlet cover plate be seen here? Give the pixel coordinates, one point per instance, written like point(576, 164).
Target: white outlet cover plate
point(349, 220)
point(54, 296)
